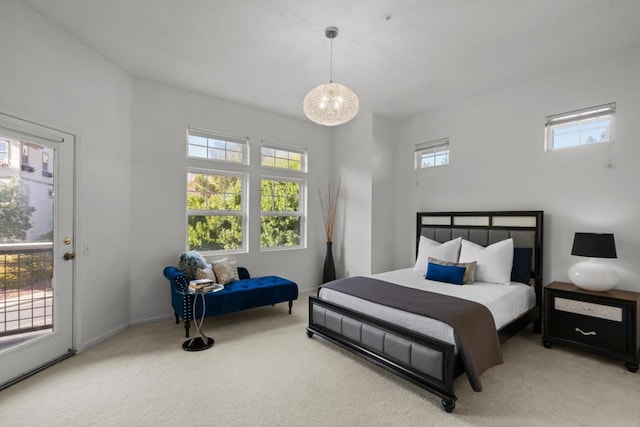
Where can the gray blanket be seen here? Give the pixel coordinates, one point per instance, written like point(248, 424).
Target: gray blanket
point(473, 324)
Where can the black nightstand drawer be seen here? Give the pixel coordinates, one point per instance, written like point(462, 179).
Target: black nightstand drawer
point(602, 322)
point(587, 331)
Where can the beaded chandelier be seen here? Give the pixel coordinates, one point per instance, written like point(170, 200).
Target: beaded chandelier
point(331, 104)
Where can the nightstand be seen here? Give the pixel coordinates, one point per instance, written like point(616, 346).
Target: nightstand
point(603, 322)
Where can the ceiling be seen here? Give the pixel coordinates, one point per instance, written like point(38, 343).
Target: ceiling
point(270, 53)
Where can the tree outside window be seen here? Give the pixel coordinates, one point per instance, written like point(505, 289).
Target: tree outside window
point(215, 212)
point(281, 217)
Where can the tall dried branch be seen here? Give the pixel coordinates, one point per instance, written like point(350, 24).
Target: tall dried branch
point(329, 193)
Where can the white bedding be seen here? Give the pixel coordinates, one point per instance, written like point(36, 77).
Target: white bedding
point(506, 302)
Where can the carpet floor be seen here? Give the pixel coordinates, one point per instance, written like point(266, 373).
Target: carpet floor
point(264, 371)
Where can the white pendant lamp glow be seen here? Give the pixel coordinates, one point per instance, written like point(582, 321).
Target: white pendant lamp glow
point(331, 104)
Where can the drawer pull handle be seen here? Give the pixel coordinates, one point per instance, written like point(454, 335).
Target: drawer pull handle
point(585, 333)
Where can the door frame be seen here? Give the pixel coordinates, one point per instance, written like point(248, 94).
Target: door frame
point(42, 129)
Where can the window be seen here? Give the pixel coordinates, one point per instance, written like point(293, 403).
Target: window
point(281, 157)
point(205, 145)
point(45, 165)
point(581, 127)
point(215, 211)
point(282, 208)
point(25, 159)
point(25, 154)
point(432, 153)
point(4, 153)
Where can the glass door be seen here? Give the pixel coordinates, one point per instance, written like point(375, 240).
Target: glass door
point(36, 247)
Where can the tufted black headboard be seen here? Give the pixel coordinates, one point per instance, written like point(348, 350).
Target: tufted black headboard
point(486, 228)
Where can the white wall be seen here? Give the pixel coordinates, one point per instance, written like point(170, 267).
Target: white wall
point(498, 162)
point(352, 147)
point(161, 116)
point(364, 157)
point(48, 76)
point(383, 195)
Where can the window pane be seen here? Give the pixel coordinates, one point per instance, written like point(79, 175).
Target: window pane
point(442, 159)
point(232, 146)
point(282, 158)
point(197, 151)
point(279, 231)
point(233, 156)
point(217, 143)
point(279, 196)
point(595, 131)
point(197, 140)
point(268, 161)
point(214, 232)
point(268, 152)
point(214, 192)
point(566, 137)
point(216, 148)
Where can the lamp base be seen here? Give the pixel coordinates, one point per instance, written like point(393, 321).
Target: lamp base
point(593, 276)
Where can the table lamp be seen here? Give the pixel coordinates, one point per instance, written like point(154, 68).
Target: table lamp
point(594, 275)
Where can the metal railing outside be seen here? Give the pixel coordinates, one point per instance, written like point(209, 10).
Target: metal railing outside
point(26, 294)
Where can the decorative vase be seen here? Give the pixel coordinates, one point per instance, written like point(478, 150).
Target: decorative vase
point(329, 271)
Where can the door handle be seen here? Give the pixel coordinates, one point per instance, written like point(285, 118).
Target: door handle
point(68, 256)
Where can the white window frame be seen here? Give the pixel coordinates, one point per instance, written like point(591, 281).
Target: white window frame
point(243, 212)
point(215, 136)
point(577, 119)
point(433, 148)
point(301, 213)
point(286, 149)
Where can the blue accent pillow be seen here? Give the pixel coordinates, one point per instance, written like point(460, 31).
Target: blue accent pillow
point(521, 270)
point(445, 273)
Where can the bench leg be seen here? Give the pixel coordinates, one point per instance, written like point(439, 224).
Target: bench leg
point(290, 305)
point(187, 324)
point(177, 319)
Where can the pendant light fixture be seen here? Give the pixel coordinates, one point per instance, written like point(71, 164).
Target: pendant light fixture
point(331, 104)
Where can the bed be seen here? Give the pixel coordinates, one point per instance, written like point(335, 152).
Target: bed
point(390, 327)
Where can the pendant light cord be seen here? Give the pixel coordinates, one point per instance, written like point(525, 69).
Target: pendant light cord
point(331, 63)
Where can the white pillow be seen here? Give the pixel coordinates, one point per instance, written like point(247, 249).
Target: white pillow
point(447, 251)
point(494, 262)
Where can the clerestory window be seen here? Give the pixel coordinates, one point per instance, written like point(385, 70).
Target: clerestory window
point(593, 125)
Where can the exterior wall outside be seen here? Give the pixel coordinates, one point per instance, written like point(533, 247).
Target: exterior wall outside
point(36, 183)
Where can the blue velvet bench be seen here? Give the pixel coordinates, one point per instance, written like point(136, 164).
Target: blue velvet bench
point(240, 295)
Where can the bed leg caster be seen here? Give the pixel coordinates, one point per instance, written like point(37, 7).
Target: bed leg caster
point(309, 333)
point(448, 405)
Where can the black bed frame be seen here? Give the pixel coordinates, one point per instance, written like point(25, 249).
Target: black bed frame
point(483, 227)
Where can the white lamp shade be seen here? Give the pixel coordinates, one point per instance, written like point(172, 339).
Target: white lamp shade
point(331, 104)
point(592, 275)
